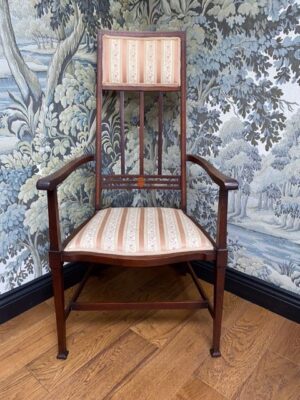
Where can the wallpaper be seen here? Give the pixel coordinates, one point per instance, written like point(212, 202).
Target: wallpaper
point(243, 67)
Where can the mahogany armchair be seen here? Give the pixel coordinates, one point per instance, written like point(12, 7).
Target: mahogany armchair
point(139, 237)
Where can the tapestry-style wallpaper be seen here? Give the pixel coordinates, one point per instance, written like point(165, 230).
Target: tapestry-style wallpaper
point(243, 114)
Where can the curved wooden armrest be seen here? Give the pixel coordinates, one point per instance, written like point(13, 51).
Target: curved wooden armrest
point(51, 181)
point(225, 182)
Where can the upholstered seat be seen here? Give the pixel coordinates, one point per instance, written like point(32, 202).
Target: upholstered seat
point(139, 231)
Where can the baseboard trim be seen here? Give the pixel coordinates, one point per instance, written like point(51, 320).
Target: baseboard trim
point(277, 300)
point(32, 293)
point(249, 288)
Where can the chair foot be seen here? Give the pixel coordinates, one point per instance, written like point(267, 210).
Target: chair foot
point(215, 353)
point(63, 355)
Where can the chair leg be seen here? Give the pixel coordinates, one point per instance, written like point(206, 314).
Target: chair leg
point(59, 301)
point(218, 308)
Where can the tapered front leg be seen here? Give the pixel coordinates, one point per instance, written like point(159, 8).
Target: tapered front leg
point(59, 300)
point(220, 268)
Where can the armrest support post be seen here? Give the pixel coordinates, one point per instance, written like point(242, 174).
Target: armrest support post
point(221, 238)
point(54, 226)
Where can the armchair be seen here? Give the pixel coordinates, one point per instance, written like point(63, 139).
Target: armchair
point(139, 237)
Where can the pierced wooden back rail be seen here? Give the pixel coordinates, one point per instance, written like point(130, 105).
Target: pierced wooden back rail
point(141, 180)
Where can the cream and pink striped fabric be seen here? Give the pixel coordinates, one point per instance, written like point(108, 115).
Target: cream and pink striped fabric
point(141, 61)
point(139, 231)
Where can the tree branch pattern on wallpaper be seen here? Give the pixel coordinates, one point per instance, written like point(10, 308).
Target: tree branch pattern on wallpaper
point(243, 113)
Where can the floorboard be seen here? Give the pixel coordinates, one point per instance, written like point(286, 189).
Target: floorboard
point(195, 389)
point(21, 385)
point(274, 378)
point(159, 355)
point(242, 347)
point(287, 342)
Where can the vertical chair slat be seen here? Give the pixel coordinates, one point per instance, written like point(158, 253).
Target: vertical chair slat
point(141, 132)
point(183, 123)
point(160, 132)
point(99, 152)
point(122, 138)
point(99, 127)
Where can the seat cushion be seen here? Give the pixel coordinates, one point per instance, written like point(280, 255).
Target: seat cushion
point(140, 232)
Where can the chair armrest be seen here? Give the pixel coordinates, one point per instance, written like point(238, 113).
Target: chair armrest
point(51, 181)
point(225, 182)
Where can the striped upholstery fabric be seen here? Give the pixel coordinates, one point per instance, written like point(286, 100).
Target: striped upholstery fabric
point(139, 231)
point(141, 61)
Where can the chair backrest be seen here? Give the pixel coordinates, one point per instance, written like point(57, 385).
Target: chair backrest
point(141, 62)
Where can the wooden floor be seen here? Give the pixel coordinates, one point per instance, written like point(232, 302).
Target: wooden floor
point(157, 355)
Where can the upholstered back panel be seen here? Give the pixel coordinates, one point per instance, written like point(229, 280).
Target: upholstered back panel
point(140, 61)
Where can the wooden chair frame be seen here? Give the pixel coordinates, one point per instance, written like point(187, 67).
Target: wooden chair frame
point(57, 255)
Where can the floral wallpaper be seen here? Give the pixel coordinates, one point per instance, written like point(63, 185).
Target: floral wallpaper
point(243, 114)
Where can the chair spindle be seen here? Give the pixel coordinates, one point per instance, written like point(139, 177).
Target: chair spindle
point(160, 132)
point(122, 134)
point(141, 132)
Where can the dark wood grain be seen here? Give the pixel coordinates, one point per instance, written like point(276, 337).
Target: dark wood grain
point(140, 305)
point(53, 215)
point(160, 133)
point(140, 262)
point(129, 182)
point(122, 133)
point(141, 181)
point(141, 88)
point(200, 289)
point(99, 101)
point(183, 122)
point(141, 132)
point(59, 303)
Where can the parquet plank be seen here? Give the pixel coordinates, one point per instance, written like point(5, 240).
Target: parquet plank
point(159, 327)
point(274, 378)
point(163, 325)
point(17, 327)
point(287, 341)
point(107, 371)
point(242, 346)
point(40, 337)
point(164, 374)
point(35, 342)
point(83, 346)
point(161, 355)
point(233, 307)
point(195, 389)
point(21, 385)
point(100, 329)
